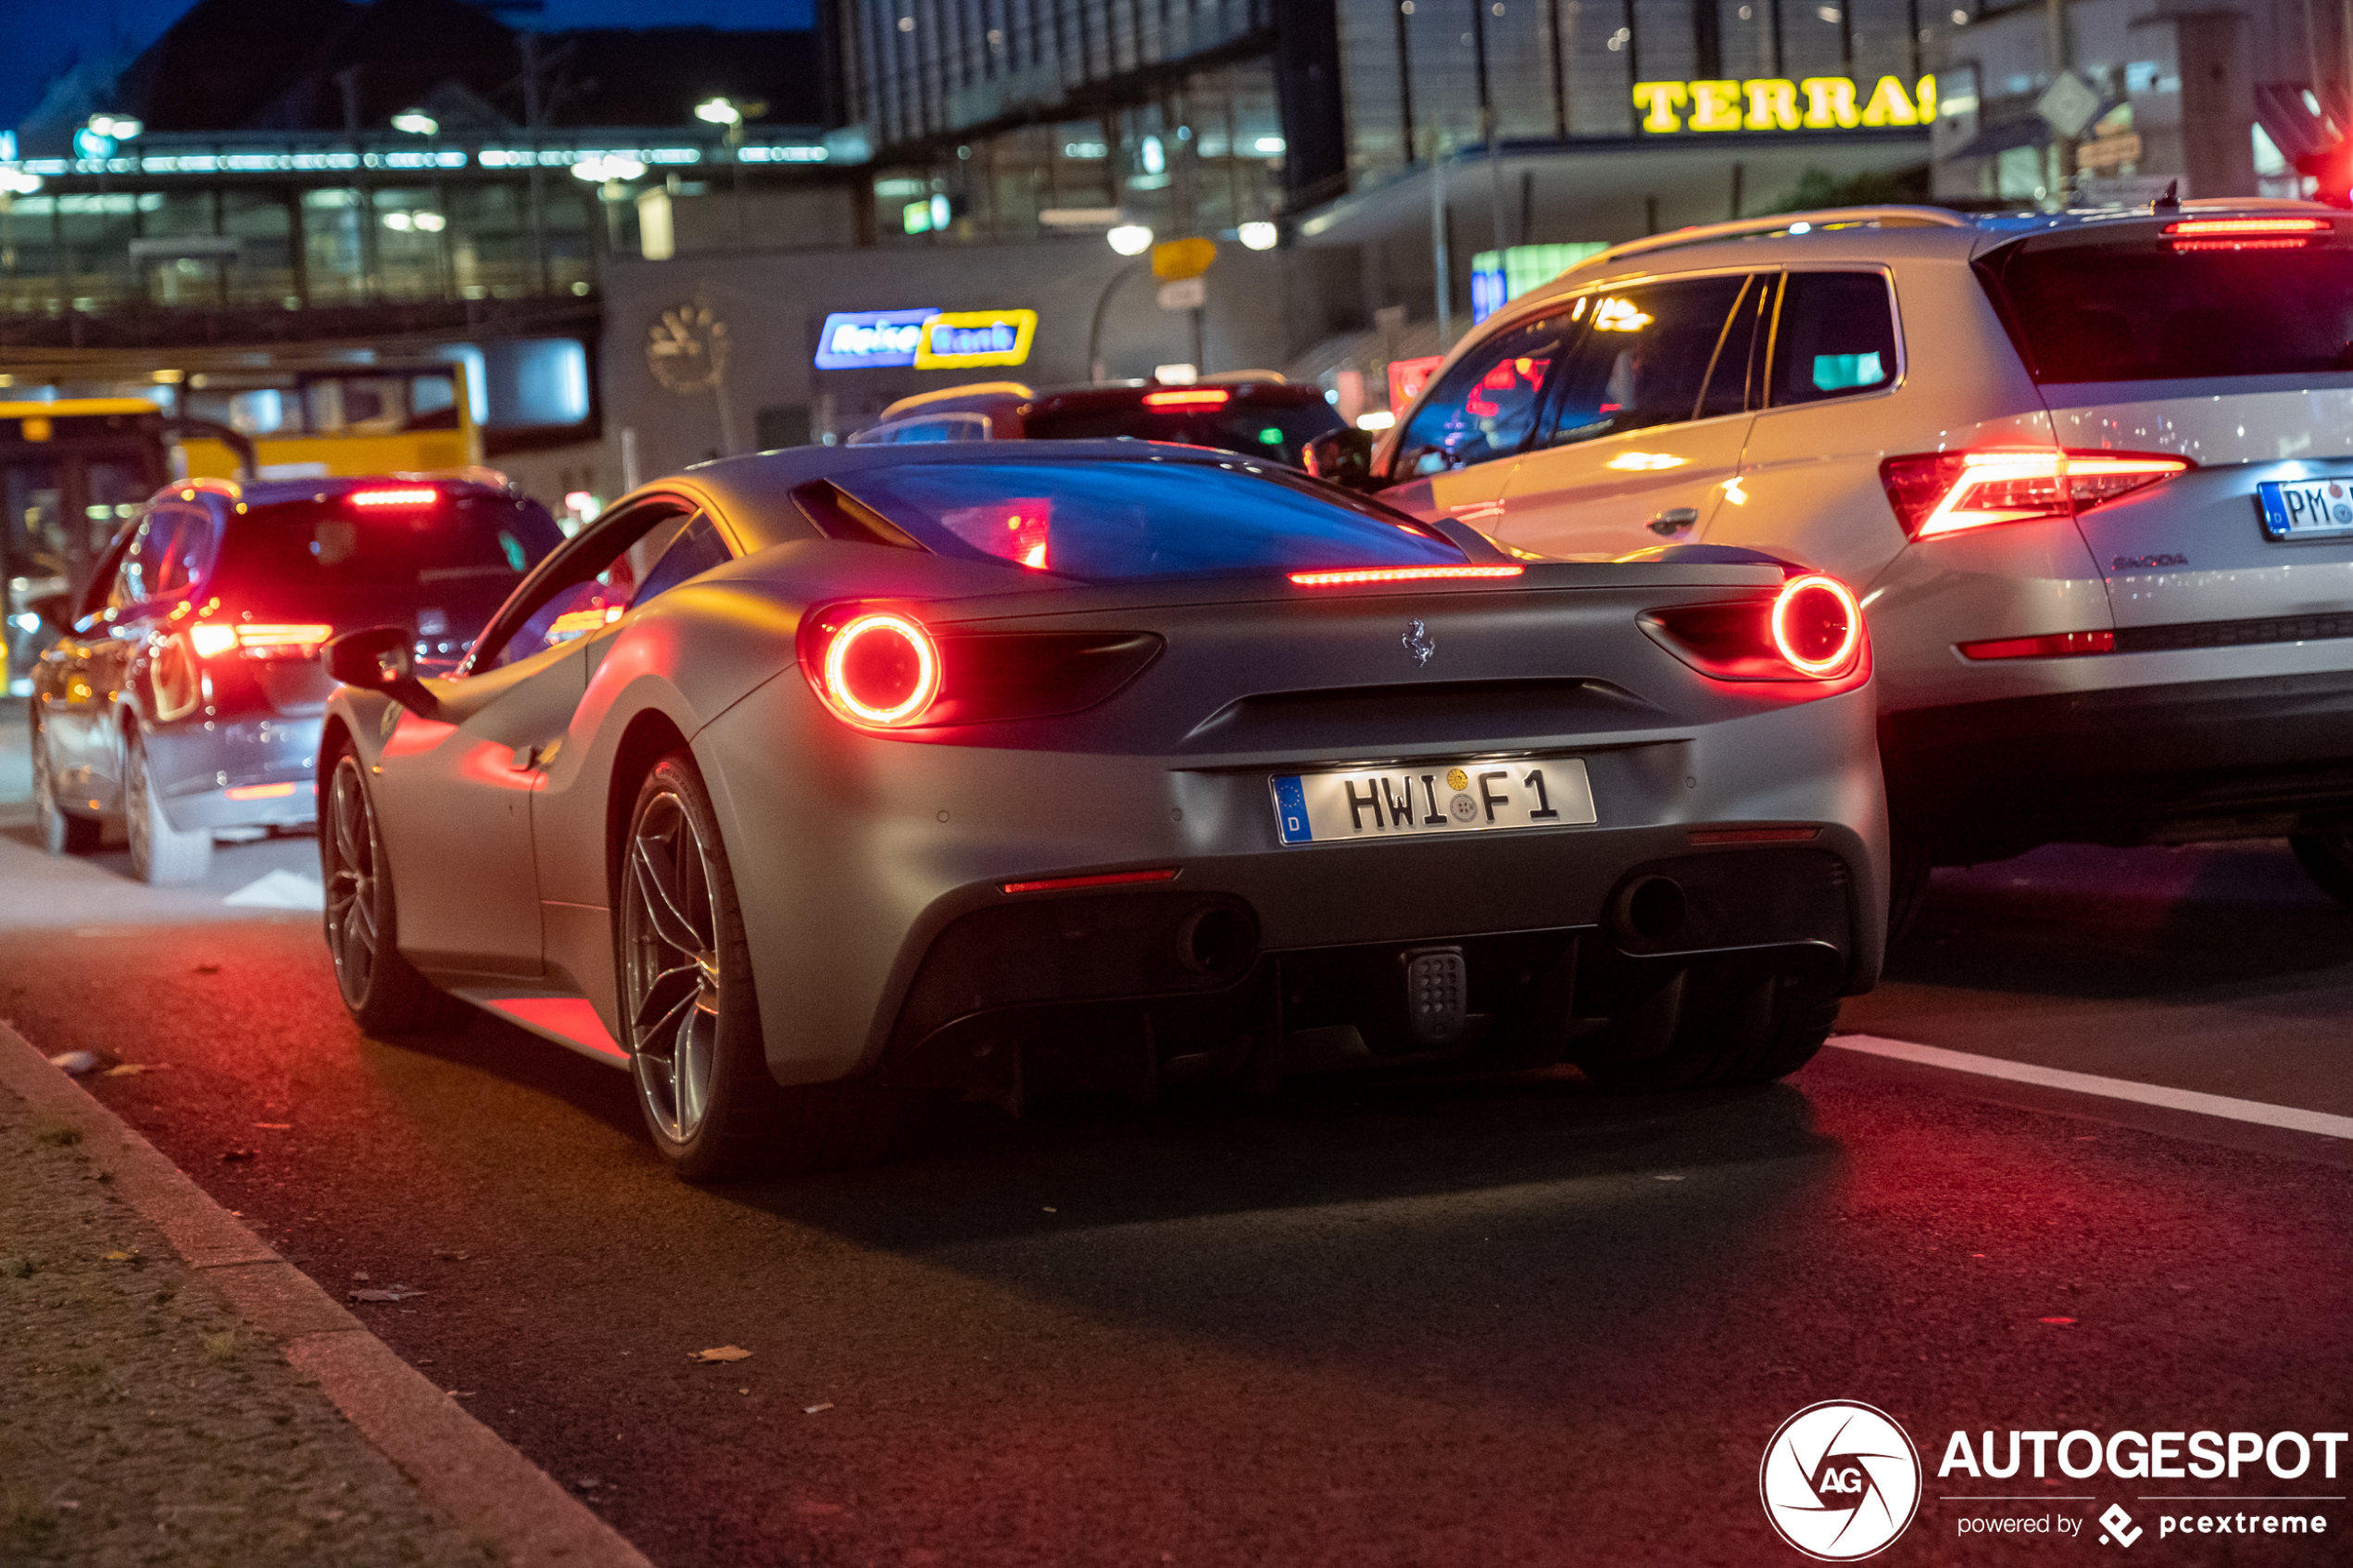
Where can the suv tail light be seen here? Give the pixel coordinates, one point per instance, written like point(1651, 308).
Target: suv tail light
point(879, 667)
point(1811, 629)
point(259, 640)
point(1939, 492)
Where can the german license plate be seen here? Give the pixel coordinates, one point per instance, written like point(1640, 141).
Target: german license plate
point(2306, 508)
point(1431, 799)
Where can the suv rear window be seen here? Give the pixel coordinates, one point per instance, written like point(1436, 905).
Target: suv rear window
point(1253, 427)
point(1117, 522)
point(331, 555)
point(2137, 309)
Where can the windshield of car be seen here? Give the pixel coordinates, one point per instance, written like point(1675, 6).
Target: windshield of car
point(348, 553)
point(1130, 521)
point(2151, 309)
point(1252, 428)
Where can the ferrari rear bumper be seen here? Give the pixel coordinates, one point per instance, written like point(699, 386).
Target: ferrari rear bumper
point(876, 901)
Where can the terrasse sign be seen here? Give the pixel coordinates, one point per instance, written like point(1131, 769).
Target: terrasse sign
point(1813, 102)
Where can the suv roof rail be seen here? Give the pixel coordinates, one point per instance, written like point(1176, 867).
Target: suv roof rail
point(1781, 223)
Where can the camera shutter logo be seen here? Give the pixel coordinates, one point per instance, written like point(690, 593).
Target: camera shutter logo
point(1840, 1481)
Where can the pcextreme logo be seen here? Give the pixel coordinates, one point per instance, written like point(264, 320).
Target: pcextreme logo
point(1840, 1481)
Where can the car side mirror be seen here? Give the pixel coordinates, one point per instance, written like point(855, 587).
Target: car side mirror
point(1342, 457)
point(55, 609)
point(380, 660)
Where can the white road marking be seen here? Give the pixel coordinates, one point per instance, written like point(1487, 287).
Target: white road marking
point(2288, 1116)
point(281, 889)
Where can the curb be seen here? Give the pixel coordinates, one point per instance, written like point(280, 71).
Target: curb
point(460, 1466)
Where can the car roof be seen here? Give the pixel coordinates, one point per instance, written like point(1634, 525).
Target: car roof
point(283, 492)
point(1863, 234)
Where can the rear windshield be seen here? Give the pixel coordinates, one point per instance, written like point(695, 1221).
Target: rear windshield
point(333, 553)
point(1121, 522)
point(1253, 429)
point(2141, 310)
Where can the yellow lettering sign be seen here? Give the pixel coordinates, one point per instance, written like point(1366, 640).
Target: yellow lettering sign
point(1829, 100)
point(1716, 105)
point(1889, 104)
point(1772, 106)
point(1661, 100)
point(1818, 103)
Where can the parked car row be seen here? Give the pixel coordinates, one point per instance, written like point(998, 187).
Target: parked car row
point(987, 755)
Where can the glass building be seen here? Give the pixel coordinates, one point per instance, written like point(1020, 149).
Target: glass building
point(1027, 116)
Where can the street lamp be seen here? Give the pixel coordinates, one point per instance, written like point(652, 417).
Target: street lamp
point(600, 169)
point(719, 111)
point(1130, 239)
point(417, 122)
point(118, 127)
point(1258, 236)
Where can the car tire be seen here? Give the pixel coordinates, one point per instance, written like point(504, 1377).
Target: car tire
point(61, 831)
point(160, 854)
point(382, 991)
point(1752, 1033)
point(691, 1014)
point(2327, 858)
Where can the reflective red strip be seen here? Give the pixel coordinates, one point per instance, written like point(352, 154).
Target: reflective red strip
point(1754, 835)
point(261, 792)
point(2057, 645)
point(1398, 574)
point(1105, 879)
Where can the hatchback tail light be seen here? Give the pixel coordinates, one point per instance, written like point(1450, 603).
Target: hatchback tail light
point(1811, 629)
point(1940, 493)
point(259, 640)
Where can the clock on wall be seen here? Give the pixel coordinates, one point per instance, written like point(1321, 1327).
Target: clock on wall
point(686, 348)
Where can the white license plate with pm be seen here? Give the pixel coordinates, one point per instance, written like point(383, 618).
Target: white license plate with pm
point(1427, 800)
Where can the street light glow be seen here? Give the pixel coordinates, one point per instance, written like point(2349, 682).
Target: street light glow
point(718, 111)
point(417, 122)
point(121, 127)
point(1130, 239)
point(600, 167)
point(1260, 235)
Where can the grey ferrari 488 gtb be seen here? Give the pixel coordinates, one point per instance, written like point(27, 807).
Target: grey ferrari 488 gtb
point(800, 781)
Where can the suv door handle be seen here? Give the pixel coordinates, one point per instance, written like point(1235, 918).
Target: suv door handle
point(1674, 521)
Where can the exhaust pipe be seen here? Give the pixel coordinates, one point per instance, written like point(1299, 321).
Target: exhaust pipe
point(1650, 909)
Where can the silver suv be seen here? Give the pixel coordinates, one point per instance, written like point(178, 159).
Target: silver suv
point(2091, 474)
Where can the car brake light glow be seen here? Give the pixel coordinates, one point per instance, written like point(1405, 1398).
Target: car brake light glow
point(1398, 574)
point(882, 669)
point(1105, 879)
point(2247, 226)
point(258, 640)
point(2056, 644)
point(417, 496)
point(1940, 493)
point(261, 792)
point(1817, 625)
point(1191, 397)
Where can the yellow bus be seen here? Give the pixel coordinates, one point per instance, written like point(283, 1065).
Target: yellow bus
point(337, 424)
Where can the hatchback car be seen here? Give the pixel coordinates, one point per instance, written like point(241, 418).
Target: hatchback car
point(184, 696)
point(1256, 414)
point(2090, 472)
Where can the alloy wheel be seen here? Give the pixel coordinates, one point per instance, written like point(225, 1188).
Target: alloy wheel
point(672, 967)
point(350, 847)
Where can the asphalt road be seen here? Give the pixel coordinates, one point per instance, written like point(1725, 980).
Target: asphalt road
point(1476, 1322)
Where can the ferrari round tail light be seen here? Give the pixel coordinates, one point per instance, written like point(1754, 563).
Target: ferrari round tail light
point(259, 640)
point(881, 667)
point(1817, 625)
point(1809, 628)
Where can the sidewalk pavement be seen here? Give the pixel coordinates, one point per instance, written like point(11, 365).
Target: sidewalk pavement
point(173, 1392)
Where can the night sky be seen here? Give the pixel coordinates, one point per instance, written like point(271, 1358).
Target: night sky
point(46, 37)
